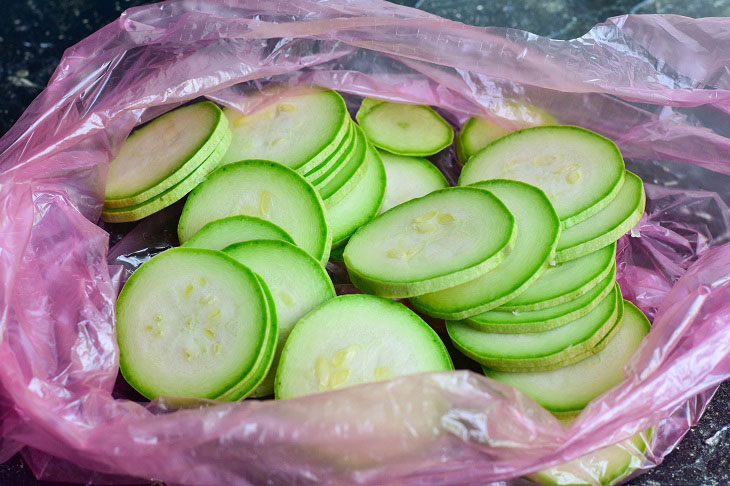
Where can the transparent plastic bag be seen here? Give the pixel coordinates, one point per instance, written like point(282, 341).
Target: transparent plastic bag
point(655, 84)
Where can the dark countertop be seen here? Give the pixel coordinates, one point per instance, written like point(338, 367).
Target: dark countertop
point(34, 34)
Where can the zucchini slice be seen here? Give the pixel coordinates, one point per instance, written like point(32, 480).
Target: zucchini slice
point(362, 204)
point(431, 243)
point(300, 131)
point(539, 351)
point(571, 388)
point(221, 233)
point(565, 281)
point(347, 175)
point(405, 129)
point(606, 226)
point(580, 171)
point(535, 217)
point(165, 151)
point(297, 282)
point(334, 161)
point(264, 189)
point(506, 322)
point(409, 178)
point(194, 335)
point(354, 339)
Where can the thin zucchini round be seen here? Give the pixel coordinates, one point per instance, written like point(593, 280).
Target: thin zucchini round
point(538, 229)
point(266, 190)
point(347, 175)
point(434, 242)
point(354, 339)
point(409, 178)
point(580, 171)
point(335, 160)
point(221, 233)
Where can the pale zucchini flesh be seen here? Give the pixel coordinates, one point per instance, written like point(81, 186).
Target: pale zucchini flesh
point(409, 178)
point(606, 226)
point(565, 281)
point(266, 190)
point(580, 171)
point(224, 232)
point(538, 229)
point(434, 242)
point(571, 388)
point(196, 334)
point(354, 339)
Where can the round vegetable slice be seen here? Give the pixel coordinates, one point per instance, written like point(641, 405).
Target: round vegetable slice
point(361, 205)
point(434, 242)
point(573, 387)
point(193, 335)
point(538, 228)
point(354, 339)
point(565, 281)
point(409, 178)
point(165, 151)
point(264, 189)
point(297, 282)
point(509, 322)
point(580, 171)
point(606, 226)
point(540, 350)
point(336, 159)
point(348, 174)
point(265, 360)
point(164, 199)
point(406, 129)
point(299, 131)
point(221, 233)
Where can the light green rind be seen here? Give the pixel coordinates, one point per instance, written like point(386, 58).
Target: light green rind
point(539, 228)
point(355, 339)
point(571, 388)
point(167, 350)
point(362, 204)
point(263, 189)
point(335, 160)
point(166, 198)
point(540, 351)
point(431, 243)
point(298, 284)
point(565, 281)
point(580, 171)
point(221, 233)
point(606, 226)
point(348, 175)
point(507, 322)
point(215, 139)
point(406, 129)
point(409, 178)
point(265, 361)
point(278, 131)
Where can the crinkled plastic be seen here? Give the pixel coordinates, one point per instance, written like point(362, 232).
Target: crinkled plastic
point(656, 84)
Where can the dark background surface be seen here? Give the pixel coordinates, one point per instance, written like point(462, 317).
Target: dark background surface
point(34, 34)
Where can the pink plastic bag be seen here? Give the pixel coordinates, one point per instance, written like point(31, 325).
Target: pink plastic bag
point(655, 84)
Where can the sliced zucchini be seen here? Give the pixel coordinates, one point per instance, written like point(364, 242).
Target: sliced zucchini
point(565, 281)
point(297, 282)
point(571, 388)
point(348, 174)
point(580, 171)
point(509, 322)
point(405, 129)
point(165, 151)
point(264, 189)
point(434, 242)
point(366, 105)
point(534, 217)
point(221, 233)
point(334, 161)
point(409, 178)
point(539, 351)
point(300, 131)
point(265, 361)
point(165, 198)
point(194, 335)
point(477, 133)
point(354, 339)
point(362, 204)
point(606, 226)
